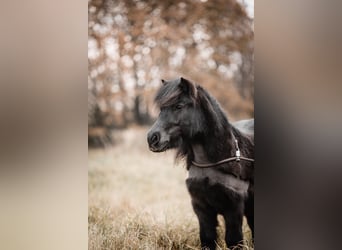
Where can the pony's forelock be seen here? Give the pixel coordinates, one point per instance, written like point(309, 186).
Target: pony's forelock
point(167, 95)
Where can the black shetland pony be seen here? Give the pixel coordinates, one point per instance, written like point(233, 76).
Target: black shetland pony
point(219, 157)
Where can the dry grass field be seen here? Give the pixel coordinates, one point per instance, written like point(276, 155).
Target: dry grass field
point(138, 199)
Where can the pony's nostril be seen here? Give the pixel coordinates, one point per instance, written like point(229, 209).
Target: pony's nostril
point(154, 138)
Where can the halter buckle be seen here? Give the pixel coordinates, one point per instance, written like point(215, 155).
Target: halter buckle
point(237, 153)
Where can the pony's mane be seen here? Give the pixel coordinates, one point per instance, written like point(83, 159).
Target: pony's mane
point(216, 124)
point(215, 116)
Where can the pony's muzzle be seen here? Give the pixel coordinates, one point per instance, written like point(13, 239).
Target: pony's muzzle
point(153, 139)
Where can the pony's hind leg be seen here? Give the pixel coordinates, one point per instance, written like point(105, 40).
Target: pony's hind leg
point(249, 212)
point(250, 220)
point(207, 221)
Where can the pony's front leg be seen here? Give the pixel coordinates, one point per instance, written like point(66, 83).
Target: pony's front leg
point(234, 236)
point(207, 221)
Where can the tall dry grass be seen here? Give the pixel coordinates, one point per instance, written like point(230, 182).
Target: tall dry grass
point(138, 199)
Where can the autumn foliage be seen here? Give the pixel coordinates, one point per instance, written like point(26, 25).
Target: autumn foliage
point(133, 44)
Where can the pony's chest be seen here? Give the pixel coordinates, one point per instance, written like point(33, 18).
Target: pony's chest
point(210, 177)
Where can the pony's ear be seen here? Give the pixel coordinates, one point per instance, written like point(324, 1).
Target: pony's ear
point(188, 87)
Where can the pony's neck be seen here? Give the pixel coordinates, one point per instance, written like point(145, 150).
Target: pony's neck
point(213, 147)
point(216, 140)
point(199, 154)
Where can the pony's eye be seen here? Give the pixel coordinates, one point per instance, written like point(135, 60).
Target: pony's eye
point(179, 106)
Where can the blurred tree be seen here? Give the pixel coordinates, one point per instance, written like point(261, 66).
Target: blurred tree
point(99, 135)
point(133, 44)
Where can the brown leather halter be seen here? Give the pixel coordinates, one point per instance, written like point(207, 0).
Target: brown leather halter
point(237, 157)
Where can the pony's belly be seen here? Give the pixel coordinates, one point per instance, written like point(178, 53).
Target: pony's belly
point(211, 177)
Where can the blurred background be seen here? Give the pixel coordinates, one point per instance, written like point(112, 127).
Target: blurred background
point(133, 44)
point(138, 199)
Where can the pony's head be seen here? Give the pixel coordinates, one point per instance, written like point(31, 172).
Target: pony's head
point(186, 110)
point(179, 115)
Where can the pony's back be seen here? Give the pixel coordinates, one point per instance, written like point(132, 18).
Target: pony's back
point(245, 126)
